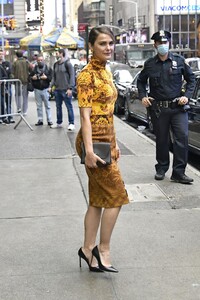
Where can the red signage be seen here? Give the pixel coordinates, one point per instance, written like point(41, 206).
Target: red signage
point(82, 27)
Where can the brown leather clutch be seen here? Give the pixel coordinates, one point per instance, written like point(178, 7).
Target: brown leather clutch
point(101, 149)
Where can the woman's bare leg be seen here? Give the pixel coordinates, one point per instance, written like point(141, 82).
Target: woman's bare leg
point(91, 223)
point(108, 220)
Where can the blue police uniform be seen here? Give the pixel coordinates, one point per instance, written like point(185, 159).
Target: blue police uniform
point(165, 84)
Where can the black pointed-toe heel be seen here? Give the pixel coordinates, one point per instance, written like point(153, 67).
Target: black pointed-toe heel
point(82, 255)
point(96, 254)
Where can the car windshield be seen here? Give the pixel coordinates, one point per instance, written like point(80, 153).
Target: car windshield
point(194, 65)
point(123, 76)
point(140, 55)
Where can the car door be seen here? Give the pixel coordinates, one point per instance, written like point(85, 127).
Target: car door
point(194, 119)
point(135, 104)
point(122, 78)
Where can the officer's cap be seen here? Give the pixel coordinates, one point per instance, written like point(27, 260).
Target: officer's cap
point(161, 36)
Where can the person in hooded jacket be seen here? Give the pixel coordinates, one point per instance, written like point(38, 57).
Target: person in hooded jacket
point(64, 82)
point(41, 77)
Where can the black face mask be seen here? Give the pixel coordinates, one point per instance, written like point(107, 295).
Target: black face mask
point(40, 64)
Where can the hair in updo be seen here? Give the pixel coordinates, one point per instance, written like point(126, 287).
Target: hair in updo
point(95, 31)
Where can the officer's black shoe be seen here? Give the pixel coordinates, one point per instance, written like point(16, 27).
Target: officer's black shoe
point(39, 123)
point(182, 179)
point(159, 176)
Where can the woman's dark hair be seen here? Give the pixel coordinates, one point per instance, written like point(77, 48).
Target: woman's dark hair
point(94, 33)
point(62, 51)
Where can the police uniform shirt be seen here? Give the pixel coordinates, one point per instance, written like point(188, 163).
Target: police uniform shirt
point(165, 78)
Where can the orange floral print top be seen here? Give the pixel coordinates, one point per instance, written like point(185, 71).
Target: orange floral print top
point(96, 90)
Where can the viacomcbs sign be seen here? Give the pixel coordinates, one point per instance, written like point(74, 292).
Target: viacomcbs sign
point(168, 7)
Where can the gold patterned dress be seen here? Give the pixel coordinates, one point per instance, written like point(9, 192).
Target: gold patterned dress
point(97, 91)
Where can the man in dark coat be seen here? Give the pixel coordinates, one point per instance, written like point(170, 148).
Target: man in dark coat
point(41, 77)
point(165, 73)
point(6, 95)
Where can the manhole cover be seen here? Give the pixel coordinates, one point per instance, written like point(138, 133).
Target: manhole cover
point(145, 192)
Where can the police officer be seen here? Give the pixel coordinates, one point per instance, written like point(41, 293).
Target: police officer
point(165, 73)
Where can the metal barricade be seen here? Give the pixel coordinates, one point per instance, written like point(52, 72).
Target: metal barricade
point(11, 100)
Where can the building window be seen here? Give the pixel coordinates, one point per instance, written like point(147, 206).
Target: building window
point(192, 26)
point(184, 23)
point(8, 7)
point(183, 28)
point(120, 22)
point(175, 23)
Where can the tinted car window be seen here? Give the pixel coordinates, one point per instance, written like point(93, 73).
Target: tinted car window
point(123, 76)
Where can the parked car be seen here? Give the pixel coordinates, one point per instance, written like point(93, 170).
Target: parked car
point(123, 76)
point(128, 102)
point(133, 108)
point(194, 118)
point(194, 63)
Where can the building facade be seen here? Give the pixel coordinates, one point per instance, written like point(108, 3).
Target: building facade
point(140, 19)
point(90, 14)
point(73, 14)
point(14, 23)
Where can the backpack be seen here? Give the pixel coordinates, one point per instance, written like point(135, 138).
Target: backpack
point(66, 67)
point(70, 80)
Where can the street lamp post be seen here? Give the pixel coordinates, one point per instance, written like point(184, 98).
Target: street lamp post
point(136, 15)
point(56, 14)
point(64, 13)
point(2, 25)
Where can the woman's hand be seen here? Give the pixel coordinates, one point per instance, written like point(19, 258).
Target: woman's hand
point(92, 160)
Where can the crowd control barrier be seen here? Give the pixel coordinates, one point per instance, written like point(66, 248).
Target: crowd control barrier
point(11, 100)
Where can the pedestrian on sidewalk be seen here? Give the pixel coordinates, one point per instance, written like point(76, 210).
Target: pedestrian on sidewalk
point(63, 82)
point(165, 73)
point(6, 91)
point(33, 63)
point(21, 72)
point(41, 77)
point(96, 97)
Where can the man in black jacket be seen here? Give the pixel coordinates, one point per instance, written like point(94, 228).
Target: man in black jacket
point(41, 77)
point(6, 95)
point(165, 73)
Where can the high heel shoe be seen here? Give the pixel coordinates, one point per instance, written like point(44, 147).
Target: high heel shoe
point(82, 255)
point(96, 254)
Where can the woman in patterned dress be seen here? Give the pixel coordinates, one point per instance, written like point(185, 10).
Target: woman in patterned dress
point(96, 98)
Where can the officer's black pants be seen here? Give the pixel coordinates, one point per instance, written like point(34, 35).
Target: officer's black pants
point(176, 121)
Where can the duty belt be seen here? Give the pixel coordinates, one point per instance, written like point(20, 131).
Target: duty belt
point(167, 103)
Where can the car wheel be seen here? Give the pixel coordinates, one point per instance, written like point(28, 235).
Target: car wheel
point(127, 115)
point(149, 121)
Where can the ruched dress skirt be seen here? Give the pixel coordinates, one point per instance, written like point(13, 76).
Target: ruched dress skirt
point(105, 185)
point(96, 90)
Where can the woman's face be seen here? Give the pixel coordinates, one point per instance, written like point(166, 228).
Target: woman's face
point(103, 47)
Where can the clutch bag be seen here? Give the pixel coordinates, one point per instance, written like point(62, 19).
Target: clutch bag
point(102, 150)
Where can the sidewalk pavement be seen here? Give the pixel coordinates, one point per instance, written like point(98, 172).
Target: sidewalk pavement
point(156, 241)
